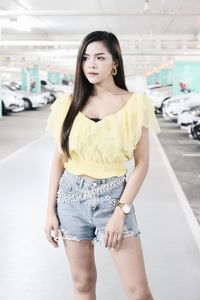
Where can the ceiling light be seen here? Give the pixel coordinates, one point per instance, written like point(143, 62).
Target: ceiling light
point(24, 4)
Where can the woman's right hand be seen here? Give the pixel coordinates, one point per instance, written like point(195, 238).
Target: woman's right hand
point(52, 224)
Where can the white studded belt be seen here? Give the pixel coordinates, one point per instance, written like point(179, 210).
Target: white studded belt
point(68, 197)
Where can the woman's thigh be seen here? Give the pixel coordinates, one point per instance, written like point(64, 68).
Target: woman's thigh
point(81, 261)
point(129, 262)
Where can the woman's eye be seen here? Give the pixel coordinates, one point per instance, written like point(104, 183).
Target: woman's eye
point(100, 57)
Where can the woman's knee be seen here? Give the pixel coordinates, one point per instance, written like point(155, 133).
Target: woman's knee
point(140, 293)
point(85, 282)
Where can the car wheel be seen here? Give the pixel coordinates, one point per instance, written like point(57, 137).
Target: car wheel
point(53, 98)
point(161, 108)
point(4, 110)
point(27, 104)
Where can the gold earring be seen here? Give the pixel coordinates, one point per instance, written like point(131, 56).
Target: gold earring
point(114, 71)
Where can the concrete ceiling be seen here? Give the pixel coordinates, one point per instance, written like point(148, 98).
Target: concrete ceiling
point(49, 32)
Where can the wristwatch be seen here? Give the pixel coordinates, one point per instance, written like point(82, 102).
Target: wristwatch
point(124, 206)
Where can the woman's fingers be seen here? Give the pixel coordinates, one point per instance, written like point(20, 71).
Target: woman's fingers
point(51, 230)
point(106, 237)
point(51, 238)
point(112, 240)
point(119, 240)
point(56, 237)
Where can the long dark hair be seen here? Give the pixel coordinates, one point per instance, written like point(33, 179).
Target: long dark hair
point(83, 88)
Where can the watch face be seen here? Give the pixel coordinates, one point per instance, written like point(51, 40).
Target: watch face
point(126, 208)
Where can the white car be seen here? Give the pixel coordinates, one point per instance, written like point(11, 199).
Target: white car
point(31, 100)
point(187, 117)
point(192, 101)
point(159, 95)
point(172, 105)
point(56, 89)
point(150, 88)
point(187, 111)
point(49, 96)
point(11, 102)
point(63, 88)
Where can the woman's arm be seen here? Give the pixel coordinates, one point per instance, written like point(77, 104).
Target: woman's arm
point(57, 169)
point(51, 222)
point(141, 157)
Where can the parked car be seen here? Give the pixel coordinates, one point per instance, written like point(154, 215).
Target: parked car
point(188, 116)
point(159, 95)
point(55, 89)
point(171, 106)
point(195, 129)
point(11, 102)
point(192, 102)
point(150, 88)
point(49, 96)
point(31, 100)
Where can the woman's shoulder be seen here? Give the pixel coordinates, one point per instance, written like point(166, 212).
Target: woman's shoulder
point(58, 112)
point(63, 98)
point(62, 102)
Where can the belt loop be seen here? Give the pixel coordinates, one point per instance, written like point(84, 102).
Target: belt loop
point(79, 181)
point(82, 182)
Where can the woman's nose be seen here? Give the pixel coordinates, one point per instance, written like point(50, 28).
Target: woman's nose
point(92, 63)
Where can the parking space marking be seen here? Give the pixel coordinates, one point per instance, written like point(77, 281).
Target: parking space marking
point(188, 142)
point(187, 210)
point(191, 154)
point(173, 130)
point(2, 161)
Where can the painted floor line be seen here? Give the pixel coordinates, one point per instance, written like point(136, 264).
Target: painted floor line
point(191, 154)
point(188, 142)
point(10, 156)
point(190, 217)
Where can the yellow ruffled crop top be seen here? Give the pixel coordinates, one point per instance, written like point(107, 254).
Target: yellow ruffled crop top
point(100, 149)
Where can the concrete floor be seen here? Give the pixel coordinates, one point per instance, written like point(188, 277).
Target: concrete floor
point(184, 156)
point(32, 269)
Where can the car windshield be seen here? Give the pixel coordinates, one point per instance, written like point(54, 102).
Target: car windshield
point(9, 87)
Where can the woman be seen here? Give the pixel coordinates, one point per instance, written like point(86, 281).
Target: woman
point(98, 128)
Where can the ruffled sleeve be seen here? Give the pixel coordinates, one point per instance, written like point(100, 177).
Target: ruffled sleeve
point(145, 116)
point(56, 117)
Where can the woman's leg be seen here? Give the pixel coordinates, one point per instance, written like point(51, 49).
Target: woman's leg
point(82, 265)
point(129, 262)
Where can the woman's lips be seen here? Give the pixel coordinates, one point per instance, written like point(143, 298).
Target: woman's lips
point(92, 74)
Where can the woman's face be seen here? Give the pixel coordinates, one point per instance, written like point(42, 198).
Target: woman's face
point(96, 58)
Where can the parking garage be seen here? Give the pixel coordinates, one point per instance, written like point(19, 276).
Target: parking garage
point(160, 43)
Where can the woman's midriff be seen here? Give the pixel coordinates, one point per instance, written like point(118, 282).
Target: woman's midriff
point(87, 177)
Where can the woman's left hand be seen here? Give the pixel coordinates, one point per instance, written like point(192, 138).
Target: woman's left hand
point(114, 229)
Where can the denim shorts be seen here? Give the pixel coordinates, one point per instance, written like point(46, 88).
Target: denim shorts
point(84, 207)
